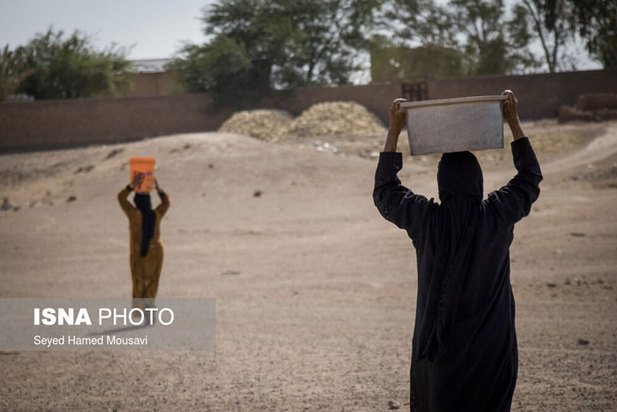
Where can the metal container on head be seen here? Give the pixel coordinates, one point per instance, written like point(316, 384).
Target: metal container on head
point(454, 125)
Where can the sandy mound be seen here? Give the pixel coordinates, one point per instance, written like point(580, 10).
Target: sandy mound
point(266, 125)
point(336, 118)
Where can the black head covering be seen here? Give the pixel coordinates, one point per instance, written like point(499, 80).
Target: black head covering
point(459, 176)
point(460, 182)
point(144, 204)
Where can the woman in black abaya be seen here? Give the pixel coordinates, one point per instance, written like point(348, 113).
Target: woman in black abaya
point(464, 350)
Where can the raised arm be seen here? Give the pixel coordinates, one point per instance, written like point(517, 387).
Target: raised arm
point(397, 122)
point(162, 208)
point(513, 201)
point(126, 206)
point(123, 201)
point(395, 202)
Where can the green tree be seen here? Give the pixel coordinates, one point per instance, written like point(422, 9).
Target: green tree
point(254, 46)
point(65, 68)
point(557, 22)
point(326, 37)
point(596, 21)
point(420, 23)
point(492, 43)
point(219, 66)
point(551, 22)
point(476, 30)
point(12, 71)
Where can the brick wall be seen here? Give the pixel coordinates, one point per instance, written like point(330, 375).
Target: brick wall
point(152, 84)
point(66, 123)
point(539, 95)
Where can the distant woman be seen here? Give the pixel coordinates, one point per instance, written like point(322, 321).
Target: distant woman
point(146, 248)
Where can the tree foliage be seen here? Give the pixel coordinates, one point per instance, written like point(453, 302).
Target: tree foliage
point(484, 43)
point(552, 24)
point(258, 45)
point(420, 22)
point(556, 24)
point(254, 46)
point(12, 72)
point(596, 21)
point(213, 67)
point(64, 68)
point(480, 31)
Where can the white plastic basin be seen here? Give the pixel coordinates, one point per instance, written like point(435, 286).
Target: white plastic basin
point(454, 125)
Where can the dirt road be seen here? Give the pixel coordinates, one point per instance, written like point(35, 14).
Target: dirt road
point(315, 292)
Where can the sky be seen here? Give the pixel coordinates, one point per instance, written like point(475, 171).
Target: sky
point(153, 29)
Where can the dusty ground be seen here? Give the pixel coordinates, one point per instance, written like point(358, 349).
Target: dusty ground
point(315, 292)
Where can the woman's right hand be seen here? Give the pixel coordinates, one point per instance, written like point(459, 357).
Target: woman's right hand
point(138, 179)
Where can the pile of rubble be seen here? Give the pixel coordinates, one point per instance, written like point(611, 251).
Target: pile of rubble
point(336, 118)
point(266, 125)
point(591, 107)
point(322, 119)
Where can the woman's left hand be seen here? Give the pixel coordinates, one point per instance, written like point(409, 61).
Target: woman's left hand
point(397, 116)
point(397, 122)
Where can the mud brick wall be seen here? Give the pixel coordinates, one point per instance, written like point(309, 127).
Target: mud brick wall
point(69, 123)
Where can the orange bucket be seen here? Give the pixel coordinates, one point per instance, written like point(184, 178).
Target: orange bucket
point(143, 165)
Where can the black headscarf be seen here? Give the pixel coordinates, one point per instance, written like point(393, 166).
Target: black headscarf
point(460, 182)
point(144, 204)
point(459, 176)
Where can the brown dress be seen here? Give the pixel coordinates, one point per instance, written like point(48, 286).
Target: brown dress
point(145, 271)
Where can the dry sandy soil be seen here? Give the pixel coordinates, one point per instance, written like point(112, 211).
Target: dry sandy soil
point(315, 292)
